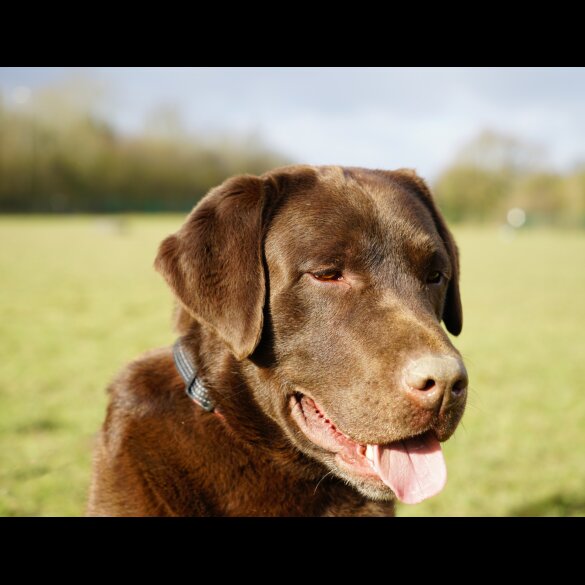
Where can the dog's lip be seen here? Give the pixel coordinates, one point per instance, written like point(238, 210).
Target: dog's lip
point(298, 403)
point(353, 457)
point(325, 436)
point(295, 402)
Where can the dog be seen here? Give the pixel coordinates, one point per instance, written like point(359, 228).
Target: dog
point(312, 376)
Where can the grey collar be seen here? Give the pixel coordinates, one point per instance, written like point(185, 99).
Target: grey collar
point(193, 386)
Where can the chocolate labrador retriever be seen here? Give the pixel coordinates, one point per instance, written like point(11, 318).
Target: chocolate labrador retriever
point(312, 376)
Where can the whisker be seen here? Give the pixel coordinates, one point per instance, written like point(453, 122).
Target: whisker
point(319, 482)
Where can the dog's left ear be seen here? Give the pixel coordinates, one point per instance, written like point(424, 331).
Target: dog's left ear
point(452, 311)
point(214, 262)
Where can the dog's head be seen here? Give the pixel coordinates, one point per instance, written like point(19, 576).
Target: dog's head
point(331, 283)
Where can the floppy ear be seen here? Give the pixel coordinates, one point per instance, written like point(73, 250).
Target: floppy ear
point(214, 262)
point(452, 311)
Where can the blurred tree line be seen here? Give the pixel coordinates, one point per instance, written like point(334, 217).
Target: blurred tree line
point(58, 155)
point(495, 172)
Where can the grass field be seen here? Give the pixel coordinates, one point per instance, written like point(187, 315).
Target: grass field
point(78, 299)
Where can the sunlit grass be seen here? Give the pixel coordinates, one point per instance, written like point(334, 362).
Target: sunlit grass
point(79, 298)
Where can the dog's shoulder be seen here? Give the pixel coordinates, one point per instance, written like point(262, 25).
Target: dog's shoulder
point(147, 402)
point(148, 385)
point(145, 397)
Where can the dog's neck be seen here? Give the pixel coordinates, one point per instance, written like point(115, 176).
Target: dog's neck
point(257, 445)
point(228, 389)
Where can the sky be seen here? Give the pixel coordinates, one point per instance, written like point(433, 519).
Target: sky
point(372, 117)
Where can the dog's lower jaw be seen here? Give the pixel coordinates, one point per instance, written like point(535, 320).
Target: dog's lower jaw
point(365, 481)
point(365, 488)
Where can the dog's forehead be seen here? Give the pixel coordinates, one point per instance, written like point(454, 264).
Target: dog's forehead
point(353, 210)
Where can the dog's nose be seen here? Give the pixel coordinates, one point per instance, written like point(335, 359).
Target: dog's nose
point(432, 380)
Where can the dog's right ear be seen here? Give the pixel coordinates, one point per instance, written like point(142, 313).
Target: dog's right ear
point(214, 262)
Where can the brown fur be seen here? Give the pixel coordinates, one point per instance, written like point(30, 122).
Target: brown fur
point(260, 327)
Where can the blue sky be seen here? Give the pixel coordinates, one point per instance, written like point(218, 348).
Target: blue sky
point(376, 117)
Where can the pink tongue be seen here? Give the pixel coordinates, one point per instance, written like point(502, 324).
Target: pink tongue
point(414, 468)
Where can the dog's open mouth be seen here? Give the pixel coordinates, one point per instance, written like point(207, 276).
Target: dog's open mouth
point(413, 468)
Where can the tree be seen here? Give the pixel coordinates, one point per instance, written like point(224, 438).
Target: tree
point(495, 172)
point(59, 153)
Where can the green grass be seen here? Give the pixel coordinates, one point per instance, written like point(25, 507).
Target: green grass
point(78, 300)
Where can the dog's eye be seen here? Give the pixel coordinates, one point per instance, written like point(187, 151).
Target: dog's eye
point(327, 275)
point(434, 277)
